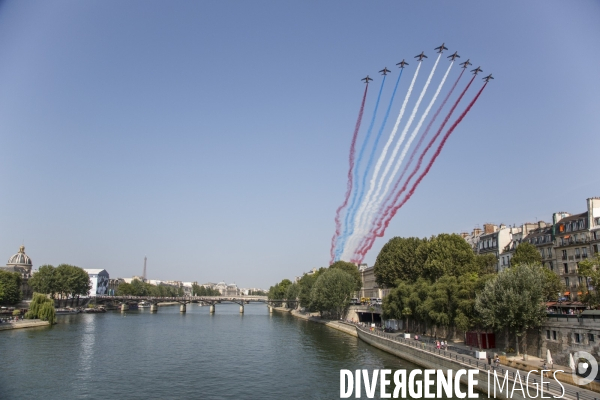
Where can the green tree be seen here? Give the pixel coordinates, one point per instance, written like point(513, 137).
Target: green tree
point(446, 255)
point(278, 291)
point(486, 263)
point(398, 259)
point(396, 303)
point(352, 269)
point(10, 287)
point(526, 253)
point(292, 291)
point(590, 270)
point(552, 285)
point(41, 307)
point(44, 280)
point(514, 300)
point(332, 291)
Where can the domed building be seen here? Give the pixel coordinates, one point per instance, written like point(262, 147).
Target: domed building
point(21, 263)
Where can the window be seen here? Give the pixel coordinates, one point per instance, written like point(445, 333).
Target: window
point(564, 254)
point(548, 238)
point(577, 337)
point(581, 224)
point(542, 253)
point(566, 269)
point(549, 251)
point(590, 337)
point(577, 254)
point(554, 335)
point(581, 281)
point(584, 252)
point(567, 282)
point(551, 266)
point(548, 334)
point(568, 227)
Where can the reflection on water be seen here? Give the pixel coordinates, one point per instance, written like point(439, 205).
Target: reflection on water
point(170, 355)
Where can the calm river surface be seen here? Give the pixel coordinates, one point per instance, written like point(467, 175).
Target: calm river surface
point(168, 355)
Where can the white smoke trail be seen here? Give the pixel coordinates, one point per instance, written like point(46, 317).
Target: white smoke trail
point(359, 220)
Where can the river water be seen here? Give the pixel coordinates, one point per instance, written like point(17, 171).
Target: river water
point(170, 355)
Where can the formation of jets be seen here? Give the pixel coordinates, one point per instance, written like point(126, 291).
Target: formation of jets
point(439, 49)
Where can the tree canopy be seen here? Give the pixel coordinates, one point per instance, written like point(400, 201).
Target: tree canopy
point(351, 269)
point(590, 270)
point(10, 287)
point(65, 280)
point(332, 291)
point(526, 253)
point(514, 300)
point(409, 259)
point(41, 307)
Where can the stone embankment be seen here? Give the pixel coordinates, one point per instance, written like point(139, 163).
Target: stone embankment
point(427, 356)
point(29, 323)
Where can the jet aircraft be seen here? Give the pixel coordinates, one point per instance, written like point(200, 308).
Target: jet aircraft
point(384, 71)
point(421, 56)
point(402, 63)
point(367, 79)
point(466, 63)
point(476, 70)
point(441, 48)
point(454, 56)
point(487, 78)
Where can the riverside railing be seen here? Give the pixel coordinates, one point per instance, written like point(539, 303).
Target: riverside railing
point(552, 387)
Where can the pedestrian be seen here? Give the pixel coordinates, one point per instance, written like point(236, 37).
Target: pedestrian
point(437, 344)
point(545, 370)
point(489, 357)
point(497, 361)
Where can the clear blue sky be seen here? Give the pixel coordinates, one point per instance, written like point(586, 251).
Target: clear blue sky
point(213, 136)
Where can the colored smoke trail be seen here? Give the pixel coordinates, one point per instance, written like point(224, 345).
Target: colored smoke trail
point(376, 227)
point(393, 209)
point(390, 139)
point(360, 234)
point(350, 180)
point(418, 146)
point(355, 177)
point(377, 201)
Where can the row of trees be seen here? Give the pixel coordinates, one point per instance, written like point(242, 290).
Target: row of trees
point(327, 290)
point(198, 290)
point(439, 282)
point(139, 288)
point(62, 282)
point(10, 287)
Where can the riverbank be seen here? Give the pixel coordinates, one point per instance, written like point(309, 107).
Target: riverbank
point(427, 356)
point(28, 323)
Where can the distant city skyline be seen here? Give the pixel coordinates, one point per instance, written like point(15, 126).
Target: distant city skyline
point(213, 137)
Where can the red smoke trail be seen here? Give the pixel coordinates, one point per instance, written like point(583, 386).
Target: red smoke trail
point(350, 180)
point(392, 209)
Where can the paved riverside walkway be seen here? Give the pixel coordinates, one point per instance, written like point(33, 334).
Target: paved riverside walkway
point(469, 361)
point(28, 323)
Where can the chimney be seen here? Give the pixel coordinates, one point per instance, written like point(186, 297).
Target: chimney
point(464, 234)
point(489, 228)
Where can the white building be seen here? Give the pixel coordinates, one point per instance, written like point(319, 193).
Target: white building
point(99, 279)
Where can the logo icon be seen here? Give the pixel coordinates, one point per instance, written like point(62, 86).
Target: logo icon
point(583, 366)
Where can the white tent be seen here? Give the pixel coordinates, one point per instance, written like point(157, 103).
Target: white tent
point(549, 360)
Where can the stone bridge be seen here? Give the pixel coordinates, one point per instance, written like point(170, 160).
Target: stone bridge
point(183, 301)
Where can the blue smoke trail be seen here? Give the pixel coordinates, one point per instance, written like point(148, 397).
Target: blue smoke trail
point(351, 208)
